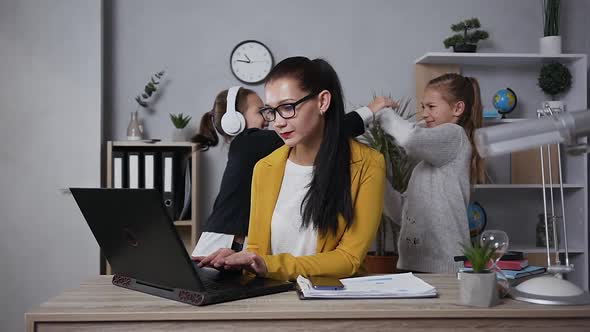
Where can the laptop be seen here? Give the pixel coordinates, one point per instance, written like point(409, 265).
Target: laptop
point(146, 253)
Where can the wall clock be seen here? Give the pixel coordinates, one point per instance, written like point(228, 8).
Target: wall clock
point(250, 61)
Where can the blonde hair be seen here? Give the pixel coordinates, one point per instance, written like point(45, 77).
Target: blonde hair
point(454, 88)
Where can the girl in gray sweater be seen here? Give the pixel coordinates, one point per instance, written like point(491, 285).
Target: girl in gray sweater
point(434, 214)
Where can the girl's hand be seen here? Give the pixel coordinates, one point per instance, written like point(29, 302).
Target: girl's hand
point(246, 260)
point(216, 259)
point(381, 102)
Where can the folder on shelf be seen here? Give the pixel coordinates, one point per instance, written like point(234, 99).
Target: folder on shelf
point(168, 183)
point(185, 213)
point(150, 173)
point(119, 170)
point(133, 164)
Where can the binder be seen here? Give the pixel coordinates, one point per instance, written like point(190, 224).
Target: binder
point(119, 170)
point(150, 173)
point(168, 183)
point(134, 170)
point(185, 212)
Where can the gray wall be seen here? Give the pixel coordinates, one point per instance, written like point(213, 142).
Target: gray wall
point(50, 129)
point(372, 44)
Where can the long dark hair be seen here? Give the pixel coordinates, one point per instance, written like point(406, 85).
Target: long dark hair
point(453, 88)
point(329, 191)
point(211, 121)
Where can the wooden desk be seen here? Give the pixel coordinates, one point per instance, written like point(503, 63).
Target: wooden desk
point(98, 305)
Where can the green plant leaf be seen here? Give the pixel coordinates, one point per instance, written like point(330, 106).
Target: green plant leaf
point(554, 78)
point(479, 256)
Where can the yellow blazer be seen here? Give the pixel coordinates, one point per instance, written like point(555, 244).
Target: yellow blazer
point(339, 255)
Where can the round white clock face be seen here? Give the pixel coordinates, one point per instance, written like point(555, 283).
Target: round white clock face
point(251, 61)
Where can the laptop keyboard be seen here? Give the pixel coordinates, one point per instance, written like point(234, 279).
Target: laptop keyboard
point(218, 280)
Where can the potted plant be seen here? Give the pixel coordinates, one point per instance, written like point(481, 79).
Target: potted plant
point(550, 43)
point(554, 79)
point(180, 121)
point(135, 129)
point(465, 40)
point(399, 168)
point(478, 287)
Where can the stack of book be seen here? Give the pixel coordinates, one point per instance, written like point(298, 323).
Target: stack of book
point(514, 265)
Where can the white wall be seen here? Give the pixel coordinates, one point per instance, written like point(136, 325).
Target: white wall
point(371, 43)
point(50, 129)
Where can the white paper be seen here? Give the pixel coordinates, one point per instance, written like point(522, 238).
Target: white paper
point(149, 171)
point(118, 172)
point(401, 285)
point(134, 171)
point(168, 174)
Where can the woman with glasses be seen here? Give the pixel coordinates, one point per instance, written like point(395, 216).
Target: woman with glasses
point(313, 211)
point(227, 225)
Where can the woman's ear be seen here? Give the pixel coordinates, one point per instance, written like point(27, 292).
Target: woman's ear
point(324, 98)
point(459, 109)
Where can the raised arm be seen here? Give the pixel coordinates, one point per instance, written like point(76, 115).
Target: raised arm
point(437, 146)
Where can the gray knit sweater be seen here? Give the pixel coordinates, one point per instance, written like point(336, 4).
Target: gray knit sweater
point(434, 212)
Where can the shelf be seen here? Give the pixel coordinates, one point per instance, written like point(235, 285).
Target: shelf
point(527, 186)
point(490, 121)
point(542, 250)
point(494, 59)
point(183, 223)
point(154, 144)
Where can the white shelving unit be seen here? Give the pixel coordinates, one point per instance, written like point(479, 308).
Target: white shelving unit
point(515, 207)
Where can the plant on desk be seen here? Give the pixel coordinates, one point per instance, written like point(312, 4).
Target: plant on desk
point(399, 169)
point(180, 121)
point(478, 286)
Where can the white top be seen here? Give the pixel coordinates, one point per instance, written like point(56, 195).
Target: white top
point(287, 236)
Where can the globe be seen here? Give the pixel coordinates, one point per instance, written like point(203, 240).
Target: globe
point(476, 216)
point(505, 101)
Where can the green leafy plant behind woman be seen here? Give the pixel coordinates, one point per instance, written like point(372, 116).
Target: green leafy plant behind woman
point(399, 166)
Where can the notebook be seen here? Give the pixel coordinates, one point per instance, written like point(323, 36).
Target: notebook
point(403, 285)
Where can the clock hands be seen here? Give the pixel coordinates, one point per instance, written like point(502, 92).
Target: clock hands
point(248, 60)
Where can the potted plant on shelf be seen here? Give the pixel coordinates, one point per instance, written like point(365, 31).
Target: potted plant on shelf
point(554, 79)
point(135, 129)
point(399, 168)
point(180, 121)
point(465, 40)
point(550, 43)
point(478, 286)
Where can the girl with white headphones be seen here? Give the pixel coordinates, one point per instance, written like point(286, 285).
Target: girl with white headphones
point(236, 117)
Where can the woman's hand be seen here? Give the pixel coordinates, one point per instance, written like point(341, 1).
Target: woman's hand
point(380, 102)
point(216, 259)
point(246, 260)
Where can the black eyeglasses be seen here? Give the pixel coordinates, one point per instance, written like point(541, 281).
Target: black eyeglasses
point(286, 111)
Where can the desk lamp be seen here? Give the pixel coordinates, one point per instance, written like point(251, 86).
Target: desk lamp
point(552, 126)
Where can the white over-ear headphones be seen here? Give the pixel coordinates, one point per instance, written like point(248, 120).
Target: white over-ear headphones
point(232, 122)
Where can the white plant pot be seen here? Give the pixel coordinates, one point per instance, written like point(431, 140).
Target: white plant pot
point(478, 289)
point(550, 45)
point(555, 105)
point(180, 135)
